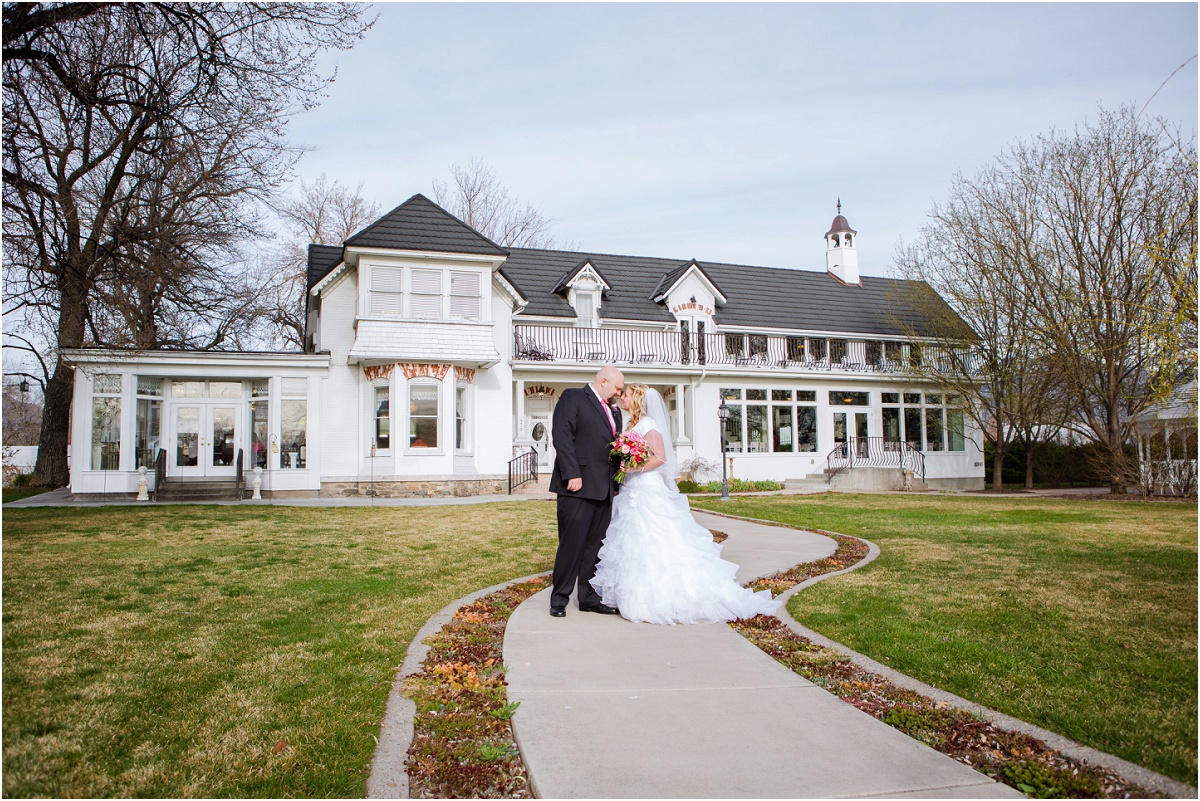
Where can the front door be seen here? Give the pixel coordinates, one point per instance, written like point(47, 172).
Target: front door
point(862, 434)
point(538, 411)
point(206, 439)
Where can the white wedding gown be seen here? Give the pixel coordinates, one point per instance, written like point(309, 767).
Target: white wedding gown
point(658, 565)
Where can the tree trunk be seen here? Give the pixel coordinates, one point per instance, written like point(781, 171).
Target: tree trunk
point(998, 470)
point(1029, 448)
point(51, 468)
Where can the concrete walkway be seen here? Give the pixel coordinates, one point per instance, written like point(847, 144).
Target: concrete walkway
point(613, 709)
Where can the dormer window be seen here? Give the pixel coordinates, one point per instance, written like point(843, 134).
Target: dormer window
point(584, 287)
point(585, 308)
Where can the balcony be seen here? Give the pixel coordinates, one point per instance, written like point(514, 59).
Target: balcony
point(621, 347)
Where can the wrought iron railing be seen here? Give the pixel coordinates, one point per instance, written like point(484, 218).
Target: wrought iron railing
point(522, 469)
point(544, 343)
point(160, 470)
point(874, 452)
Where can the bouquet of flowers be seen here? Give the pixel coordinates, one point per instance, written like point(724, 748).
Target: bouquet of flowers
point(633, 450)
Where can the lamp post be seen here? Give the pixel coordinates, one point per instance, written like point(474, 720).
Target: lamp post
point(723, 413)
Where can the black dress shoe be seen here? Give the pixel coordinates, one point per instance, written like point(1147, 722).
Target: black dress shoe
point(558, 611)
point(601, 609)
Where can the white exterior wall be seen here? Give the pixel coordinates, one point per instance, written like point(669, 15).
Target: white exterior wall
point(191, 366)
point(343, 440)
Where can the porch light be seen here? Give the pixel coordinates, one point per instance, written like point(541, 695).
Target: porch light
point(723, 412)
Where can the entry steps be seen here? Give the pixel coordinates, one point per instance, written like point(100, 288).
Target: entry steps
point(185, 490)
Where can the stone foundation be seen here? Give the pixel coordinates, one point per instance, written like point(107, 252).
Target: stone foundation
point(447, 488)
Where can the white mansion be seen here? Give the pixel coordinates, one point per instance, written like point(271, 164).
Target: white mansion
point(434, 357)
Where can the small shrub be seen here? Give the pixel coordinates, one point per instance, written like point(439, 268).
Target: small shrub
point(1040, 780)
point(686, 485)
point(22, 479)
point(738, 485)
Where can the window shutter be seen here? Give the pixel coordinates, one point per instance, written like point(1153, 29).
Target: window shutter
point(464, 295)
point(427, 293)
point(385, 298)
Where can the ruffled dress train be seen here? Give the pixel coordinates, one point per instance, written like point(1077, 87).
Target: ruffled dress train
point(658, 565)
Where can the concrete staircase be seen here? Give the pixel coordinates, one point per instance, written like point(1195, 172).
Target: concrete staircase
point(858, 478)
point(184, 490)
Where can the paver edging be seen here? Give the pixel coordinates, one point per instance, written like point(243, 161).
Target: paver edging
point(1135, 774)
point(388, 778)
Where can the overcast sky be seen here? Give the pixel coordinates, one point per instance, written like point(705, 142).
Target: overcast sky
point(727, 132)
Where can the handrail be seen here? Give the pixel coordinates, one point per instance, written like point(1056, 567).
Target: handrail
point(160, 470)
point(240, 475)
point(874, 452)
point(522, 469)
point(547, 343)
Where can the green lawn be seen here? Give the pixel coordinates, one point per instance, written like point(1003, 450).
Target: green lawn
point(17, 493)
point(167, 652)
point(1078, 616)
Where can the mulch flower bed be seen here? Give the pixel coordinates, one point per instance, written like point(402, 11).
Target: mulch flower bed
point(1015, 759)
point(463, 744)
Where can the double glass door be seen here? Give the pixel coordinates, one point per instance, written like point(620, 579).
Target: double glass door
point(206, 439)
point(855, 442)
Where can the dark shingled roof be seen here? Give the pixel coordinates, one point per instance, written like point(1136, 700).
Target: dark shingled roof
point(321, 261)
point(420, 224)
point(758, 297)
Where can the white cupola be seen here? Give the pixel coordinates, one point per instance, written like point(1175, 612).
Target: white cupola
point(841, 253)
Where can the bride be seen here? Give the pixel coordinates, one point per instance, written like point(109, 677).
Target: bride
point(657, 564)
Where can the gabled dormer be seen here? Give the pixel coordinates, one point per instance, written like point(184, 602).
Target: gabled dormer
point(690, 294)
point(584, 287)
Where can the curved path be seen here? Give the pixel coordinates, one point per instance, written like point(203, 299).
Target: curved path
point(613, 709)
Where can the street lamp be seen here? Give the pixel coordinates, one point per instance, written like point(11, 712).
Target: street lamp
point(723, 413)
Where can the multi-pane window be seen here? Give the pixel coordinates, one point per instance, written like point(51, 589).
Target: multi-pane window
point(293, 423)
point(931, 423)
point(383, 418)
point(106, 421)
point(771, 421)
point(424, 293)
point(423, 414)
point(465, 295)
point(148, 434)
point(260, 390)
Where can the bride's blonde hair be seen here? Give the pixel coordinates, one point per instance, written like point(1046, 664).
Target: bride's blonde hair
point(637, 402)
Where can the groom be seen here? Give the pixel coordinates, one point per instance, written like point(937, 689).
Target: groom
point(584, 428)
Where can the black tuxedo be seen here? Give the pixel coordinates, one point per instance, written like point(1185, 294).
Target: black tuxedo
point(582, 444)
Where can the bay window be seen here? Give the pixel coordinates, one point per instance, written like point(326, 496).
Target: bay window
point(423, 409)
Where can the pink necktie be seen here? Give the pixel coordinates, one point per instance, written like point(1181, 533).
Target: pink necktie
point(611, 422)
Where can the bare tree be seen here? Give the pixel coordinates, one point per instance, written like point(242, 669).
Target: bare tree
point(1073, 260)
point(140, 141)
point(479, 199)
point(22, 414)
point(975, 253)
point(323, 213)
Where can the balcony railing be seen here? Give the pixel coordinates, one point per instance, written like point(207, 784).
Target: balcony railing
point(875, 452)
point(536, 343)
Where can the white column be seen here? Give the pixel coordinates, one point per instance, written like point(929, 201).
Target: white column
point(522, 434)
point(681, 415)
